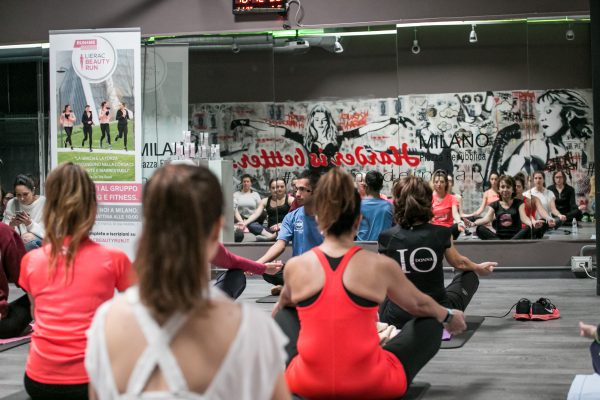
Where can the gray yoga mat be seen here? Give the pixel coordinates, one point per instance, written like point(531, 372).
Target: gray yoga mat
point(457, 341)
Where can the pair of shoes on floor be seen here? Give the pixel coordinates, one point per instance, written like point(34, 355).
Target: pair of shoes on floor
point(276, 290)
point(541, 310)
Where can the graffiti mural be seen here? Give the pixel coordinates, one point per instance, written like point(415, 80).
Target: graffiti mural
point(469, 135)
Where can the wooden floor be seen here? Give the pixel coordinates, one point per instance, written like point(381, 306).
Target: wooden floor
point(505, 359)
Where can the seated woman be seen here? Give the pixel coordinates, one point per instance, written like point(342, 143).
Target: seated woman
point(336, 288)
point(277, 205)
point(376, 212)
point(489, 196)
point(24, 212)
point(506, 215)
point(67, 280)
point(546, 197)
point(245, 202)
point(419, 248)
point(533, 207)
point(174, 336)
point(565, 199)
point(445, 205)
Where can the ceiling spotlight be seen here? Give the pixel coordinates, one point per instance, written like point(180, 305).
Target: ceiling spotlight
point(337, 46)
point(235, 48)
point(570, 34)
point(473, 35)
point(416, 49)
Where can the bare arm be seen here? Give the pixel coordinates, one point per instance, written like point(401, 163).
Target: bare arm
point(274, 251)
point(238, 216)
point(257, 213)
point(481, 207)
point(402, 292)
point(457, 219)
point(489, 217)
point(281, 391)
point(461, 262)
point(92, 392)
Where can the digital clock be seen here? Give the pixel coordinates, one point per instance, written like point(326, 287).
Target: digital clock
point(259, 6)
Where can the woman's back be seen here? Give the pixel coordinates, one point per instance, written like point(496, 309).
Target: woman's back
point(334, 323)
point(64, 308)
point(223, 352)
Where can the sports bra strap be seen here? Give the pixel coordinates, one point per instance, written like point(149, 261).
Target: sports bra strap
point(157, 353)
point(342, 266)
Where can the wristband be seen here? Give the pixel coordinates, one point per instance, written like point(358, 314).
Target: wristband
point(448, 316)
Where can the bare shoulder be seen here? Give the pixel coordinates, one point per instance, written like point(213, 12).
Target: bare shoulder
point(374, 260)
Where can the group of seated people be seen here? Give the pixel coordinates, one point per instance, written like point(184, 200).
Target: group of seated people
point(508, 211)
point(149, 341)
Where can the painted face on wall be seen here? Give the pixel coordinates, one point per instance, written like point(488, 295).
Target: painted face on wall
point(320, 123)
point(550, 120)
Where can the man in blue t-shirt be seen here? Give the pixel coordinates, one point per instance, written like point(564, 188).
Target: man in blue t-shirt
point(297, 226)
point(376, 212)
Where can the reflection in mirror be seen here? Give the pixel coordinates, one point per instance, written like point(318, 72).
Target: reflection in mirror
point(561, 146)
point(461, 90)
point(231, 78)
point(337, 91)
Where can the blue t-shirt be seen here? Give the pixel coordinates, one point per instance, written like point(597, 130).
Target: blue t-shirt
point(302, 230)
point(376, 217)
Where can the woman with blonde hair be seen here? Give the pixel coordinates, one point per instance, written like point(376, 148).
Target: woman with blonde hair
point(336, 289)
point(67, 279)
point(174, 335)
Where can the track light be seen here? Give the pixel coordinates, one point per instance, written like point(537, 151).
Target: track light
point(337, 46)
point(473, 35)
point(416, 49)
point(570, 34)
point(235, 48)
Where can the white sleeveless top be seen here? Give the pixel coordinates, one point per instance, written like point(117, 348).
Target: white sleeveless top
point(255, 358)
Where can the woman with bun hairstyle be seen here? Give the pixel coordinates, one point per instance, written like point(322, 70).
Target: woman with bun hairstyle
point(419, 248)
point(333, 292)
point(376, 212)
point(173, 335)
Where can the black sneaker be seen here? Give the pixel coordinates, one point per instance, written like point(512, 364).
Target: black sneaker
point(544, 310)
point(523, 310)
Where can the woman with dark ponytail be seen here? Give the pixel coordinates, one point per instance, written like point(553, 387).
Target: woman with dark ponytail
point(419, 248)
point(334, 291)
point(173, 335)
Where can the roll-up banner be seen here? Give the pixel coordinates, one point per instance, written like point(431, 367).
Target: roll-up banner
point(95, 121)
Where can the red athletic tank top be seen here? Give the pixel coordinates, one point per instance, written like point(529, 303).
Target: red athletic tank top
point(339, 355)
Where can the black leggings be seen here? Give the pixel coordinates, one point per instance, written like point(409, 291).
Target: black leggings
point(68, 131)
point(105, 129)
point(122, 128)
point(232, 282)
point(45, 391)
point(275, 279)
point(19, 316)
point(459, 294)
point(484, 233)
point(87, 133)
point(414, 346)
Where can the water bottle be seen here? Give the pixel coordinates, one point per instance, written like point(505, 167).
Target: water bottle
point(574, 230)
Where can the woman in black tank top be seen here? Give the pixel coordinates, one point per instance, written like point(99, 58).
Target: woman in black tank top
point(277, 206)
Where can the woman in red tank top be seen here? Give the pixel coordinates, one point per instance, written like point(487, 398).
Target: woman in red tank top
point(336, 289)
